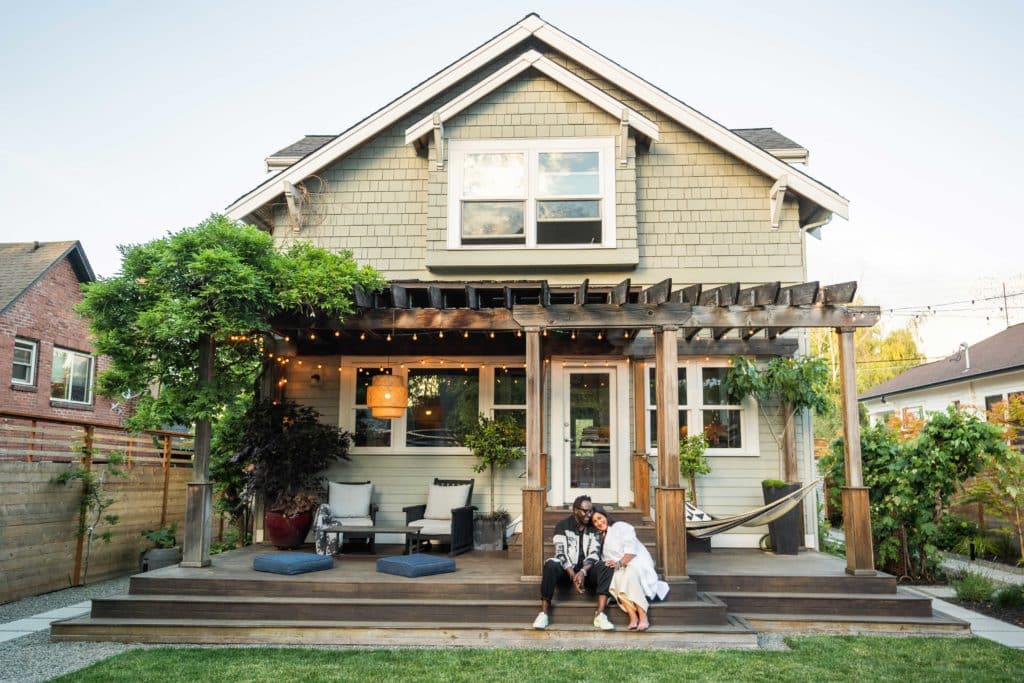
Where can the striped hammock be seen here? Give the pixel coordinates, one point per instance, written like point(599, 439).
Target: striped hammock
point(699, 524)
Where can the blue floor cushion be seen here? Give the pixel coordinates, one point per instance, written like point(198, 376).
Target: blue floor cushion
point(417, 564)
point(292, 563)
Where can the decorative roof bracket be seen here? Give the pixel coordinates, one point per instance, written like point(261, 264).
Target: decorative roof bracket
point(439, 141)
point(776, 197)
point(294, 198)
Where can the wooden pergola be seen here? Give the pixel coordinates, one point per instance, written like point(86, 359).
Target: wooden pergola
point(690, 320)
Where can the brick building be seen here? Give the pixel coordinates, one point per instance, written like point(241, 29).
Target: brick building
point(47, 364)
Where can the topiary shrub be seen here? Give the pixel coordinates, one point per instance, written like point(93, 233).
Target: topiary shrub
point(973, 587)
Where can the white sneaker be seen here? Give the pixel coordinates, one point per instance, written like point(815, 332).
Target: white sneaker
point(601, 622)
point(541, 622)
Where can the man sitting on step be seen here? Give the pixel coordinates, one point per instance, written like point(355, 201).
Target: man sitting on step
point(577, 560)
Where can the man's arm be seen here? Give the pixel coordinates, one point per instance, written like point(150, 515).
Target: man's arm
point(562, 545)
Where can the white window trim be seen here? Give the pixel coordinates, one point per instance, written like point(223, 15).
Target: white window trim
point(92, 370)
point(400, 367)
point(750, 420)
point(458, 149)
point(33, 362)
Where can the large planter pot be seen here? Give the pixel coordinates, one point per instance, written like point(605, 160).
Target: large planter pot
point(785, 531)
point(488, 534)
point(155, 558)
point(287, 531)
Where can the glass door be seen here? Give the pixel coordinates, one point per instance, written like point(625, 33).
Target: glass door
point(590, 434)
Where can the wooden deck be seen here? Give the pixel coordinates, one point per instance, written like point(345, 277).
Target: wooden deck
point(729, 597)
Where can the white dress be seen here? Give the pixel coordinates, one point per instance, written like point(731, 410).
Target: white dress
point(638, 581)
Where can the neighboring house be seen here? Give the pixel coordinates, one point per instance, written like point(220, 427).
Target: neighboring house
point(532, 171)
point(975, 378)
point(47, 364)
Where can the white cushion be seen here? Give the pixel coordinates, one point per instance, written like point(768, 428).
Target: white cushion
point(349, 500)
point(352, 521)
point(442, 499)
point(433, 526)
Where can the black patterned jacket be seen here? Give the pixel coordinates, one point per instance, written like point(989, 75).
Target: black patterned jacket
point(575, 547)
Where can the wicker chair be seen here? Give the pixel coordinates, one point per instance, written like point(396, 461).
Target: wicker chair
point(447, 516)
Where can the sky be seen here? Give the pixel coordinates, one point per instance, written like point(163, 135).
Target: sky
point(121, 121)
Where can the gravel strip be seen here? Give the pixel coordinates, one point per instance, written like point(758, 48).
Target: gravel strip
point(34, 657)
point(28, 607)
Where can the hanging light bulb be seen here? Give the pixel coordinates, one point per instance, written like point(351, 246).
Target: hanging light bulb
point(600, 336)
point(414, 337)
point(492, 334)
point(465, 334)
point(362, 336)
point(337, 333)
point(440, 335)
point(573, 335)
point(389, 337)
point(312, 336)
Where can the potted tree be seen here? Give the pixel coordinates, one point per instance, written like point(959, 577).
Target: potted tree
point(284, 452)
point(163, 550)
point(496, 445)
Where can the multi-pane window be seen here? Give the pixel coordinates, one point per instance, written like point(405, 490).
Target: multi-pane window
point(705, 407)
point(542, 192)
point(23, 369)
point(71, 377)
point(444, 399)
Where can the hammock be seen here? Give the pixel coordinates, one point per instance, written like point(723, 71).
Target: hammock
point(699, 524)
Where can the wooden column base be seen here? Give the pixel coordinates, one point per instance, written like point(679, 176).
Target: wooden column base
point(860, 556)
point(198, 513)
point(533, 531)
point(642, 484)
point(670, 528)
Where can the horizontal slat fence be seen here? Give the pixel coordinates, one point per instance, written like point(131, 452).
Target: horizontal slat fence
point(40, 550)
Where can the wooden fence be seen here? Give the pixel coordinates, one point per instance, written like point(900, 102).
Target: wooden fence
point(40, 547)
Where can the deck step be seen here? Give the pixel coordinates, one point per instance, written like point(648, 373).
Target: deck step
point(938, 623)
point(299, 587)
point(818, 604)
point(733, 634)
point(756, 583)
point(701, 610)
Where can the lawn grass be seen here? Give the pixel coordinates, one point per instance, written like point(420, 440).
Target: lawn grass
point(843, 658)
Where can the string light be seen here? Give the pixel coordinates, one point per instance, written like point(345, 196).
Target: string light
point(414, 337)
point(389, 337)
point(440, 335)
point(337, 333)
point(287, 338)
point(600, 336)
point(573, 335)
point(465, 334)
point(492, 334)
point(362, 336)
point(312, 337)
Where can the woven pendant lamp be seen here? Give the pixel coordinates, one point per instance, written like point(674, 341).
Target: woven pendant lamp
point(387, 396)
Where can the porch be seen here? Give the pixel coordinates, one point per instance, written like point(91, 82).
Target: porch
point(729, 597)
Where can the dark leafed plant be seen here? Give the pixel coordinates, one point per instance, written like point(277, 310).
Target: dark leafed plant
point(911, 482)
point(285, 451)
point(495, 443)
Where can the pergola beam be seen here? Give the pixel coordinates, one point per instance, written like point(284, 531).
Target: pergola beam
point(685, 315)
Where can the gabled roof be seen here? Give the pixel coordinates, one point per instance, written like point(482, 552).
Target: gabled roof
point(999, 353)
point(26, 262)
point(766, 138)
point(287, 156)
point(532, 26)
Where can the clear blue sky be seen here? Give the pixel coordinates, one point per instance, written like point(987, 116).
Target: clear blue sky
point(122, 120)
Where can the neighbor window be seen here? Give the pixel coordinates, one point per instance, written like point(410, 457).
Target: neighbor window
point(542, 192)
point(705, 408)
point(71, 378)
point(23, 370)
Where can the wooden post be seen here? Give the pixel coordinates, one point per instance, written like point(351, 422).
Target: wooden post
point(641, 468)
point(544, 471)
point(856, 504)
point(669, 497)
point(87, 446)
point(165, 465)
point(199, 498)
point(534, 492)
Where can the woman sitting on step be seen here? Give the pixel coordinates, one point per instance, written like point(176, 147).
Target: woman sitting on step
point(635, 581)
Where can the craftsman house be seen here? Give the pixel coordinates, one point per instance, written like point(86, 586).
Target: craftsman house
point(977, 377)
point(47, 365)
point(557, 233)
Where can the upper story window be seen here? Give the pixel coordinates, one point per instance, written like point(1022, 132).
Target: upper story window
point(71, 379)
point(23, 370)
point(544, 192)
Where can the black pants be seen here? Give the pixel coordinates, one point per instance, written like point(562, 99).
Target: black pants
point(597, 580)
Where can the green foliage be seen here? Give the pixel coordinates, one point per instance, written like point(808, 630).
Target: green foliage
point(164, 537)
point(495, 443)
point(218, 278)
point(953, 529)
point(1009, 597)
point(973, 587)
point(800, 382)
point(911, 483)
point(284, 452)
point(693, 461)
point(773, 484)
point(1002, 488)
point(94, 502)
point(230, 542)
point(501, 515)
point(229, 479)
